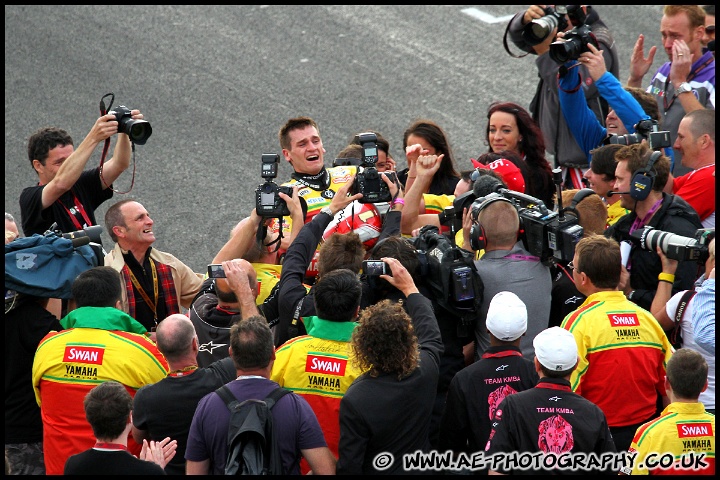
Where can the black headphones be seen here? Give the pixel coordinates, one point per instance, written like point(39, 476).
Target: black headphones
point(478, 239)
point(579, 196)
point(643, 179)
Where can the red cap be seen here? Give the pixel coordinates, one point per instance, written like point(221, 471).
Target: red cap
point(509, 172)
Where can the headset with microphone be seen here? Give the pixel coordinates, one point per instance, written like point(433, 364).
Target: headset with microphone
point(478, 238)
point(642, 180)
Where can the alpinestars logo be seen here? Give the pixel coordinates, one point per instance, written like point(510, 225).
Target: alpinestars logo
point(210, 346)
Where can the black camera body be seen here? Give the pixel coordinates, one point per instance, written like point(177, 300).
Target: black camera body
point(675, 246)
point(138, 130)
point(547, 235)
point(647, 129)
point(268, 203)
point(574, 43)
point(536, 31)
point(368, 180)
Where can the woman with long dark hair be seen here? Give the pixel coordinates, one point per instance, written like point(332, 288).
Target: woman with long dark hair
point(510, 127)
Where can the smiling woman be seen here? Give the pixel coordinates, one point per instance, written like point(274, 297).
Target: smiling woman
point(510, 127)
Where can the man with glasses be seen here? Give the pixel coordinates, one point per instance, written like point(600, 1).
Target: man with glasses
point(709, 28)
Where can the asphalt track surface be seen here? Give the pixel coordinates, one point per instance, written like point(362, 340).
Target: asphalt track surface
point(217, 82)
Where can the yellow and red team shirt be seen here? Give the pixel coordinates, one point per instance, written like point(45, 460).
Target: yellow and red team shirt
point(679, 442)
point(622, 353)
point(615, 212)
point(268, 275)
point(317, 366)
point(68, 364)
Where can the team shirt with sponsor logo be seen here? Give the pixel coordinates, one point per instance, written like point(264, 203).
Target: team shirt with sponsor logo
point(622, 354)
point(685, 431)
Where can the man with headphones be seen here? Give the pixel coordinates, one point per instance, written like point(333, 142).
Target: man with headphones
point(508, 266)
point(641, 175)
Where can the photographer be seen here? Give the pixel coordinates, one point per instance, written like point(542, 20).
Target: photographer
point(666, 308)
point(65, 193)
point(545, 107)
point(628, 106)
point(659, 210)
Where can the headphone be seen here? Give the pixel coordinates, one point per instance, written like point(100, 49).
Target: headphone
point(579, 196)
point(643, 179)
point(478, 238)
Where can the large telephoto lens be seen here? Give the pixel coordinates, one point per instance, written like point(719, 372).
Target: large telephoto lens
point(673, 246)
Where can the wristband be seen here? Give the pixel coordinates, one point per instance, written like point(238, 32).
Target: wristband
point(666, 277)
point(397, 201)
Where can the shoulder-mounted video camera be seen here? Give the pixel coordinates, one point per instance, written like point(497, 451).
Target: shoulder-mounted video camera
point(268, 203)
point(368, 179)
point(550, 236)
point(647, 129)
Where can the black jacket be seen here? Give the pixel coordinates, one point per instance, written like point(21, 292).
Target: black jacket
point(674, 216)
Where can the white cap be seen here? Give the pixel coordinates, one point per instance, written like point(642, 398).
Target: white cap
point(556, 349)
point(506, 317)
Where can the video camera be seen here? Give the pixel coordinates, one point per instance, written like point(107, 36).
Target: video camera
point(268, 203)
point(368, 180)
point(675, 246)
point(646, 130)
point(550, 236)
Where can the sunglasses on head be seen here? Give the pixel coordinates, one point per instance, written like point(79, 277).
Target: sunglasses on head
point(710, 29)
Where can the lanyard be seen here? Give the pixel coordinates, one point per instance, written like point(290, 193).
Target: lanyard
point(641, 223)
point(506, 353)
point(153, 306)
point(185, 371)
point(553, 386)
point(110, 446)
point(76, 208)
point(526, 258)
point(693, 74)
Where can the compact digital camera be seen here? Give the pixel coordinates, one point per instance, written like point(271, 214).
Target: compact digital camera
point(375, 268)
point(268, 203)
point(368, 180)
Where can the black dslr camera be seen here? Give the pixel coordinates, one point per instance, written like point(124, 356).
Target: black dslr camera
point(368, 180)
point(574, 43)
point(138, 130)
point(537, 30)
point(267, 201)
point(675, 246)
point(646, 130)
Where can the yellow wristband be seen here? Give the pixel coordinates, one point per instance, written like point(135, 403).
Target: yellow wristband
point(666, 277)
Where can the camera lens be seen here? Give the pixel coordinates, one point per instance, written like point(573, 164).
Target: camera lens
point(138, 130)
point(538, 30)
point(564, 50)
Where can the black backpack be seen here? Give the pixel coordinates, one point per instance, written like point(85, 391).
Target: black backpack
point(252, 448)
point(450, 273)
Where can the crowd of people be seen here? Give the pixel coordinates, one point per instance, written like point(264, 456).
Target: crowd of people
point(594, 336)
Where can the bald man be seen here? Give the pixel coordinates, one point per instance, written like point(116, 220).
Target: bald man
point(183, 388)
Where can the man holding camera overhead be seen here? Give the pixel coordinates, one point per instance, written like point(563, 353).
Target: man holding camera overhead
point(533, 31)
point(65, 193)
point(640, 175)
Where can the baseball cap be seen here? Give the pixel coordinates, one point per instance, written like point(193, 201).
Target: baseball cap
point(506, 317)
point(555, 349)
point(510, 173)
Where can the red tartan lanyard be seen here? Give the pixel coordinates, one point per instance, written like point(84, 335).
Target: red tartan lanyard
point(136, 284)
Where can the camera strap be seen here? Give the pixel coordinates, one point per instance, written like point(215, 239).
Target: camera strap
point(106, 146)
point(262, 233)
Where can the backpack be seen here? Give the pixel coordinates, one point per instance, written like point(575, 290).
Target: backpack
point(252, 447)
point(450, 273)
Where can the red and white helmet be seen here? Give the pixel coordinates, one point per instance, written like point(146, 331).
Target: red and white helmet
point(361, 218)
